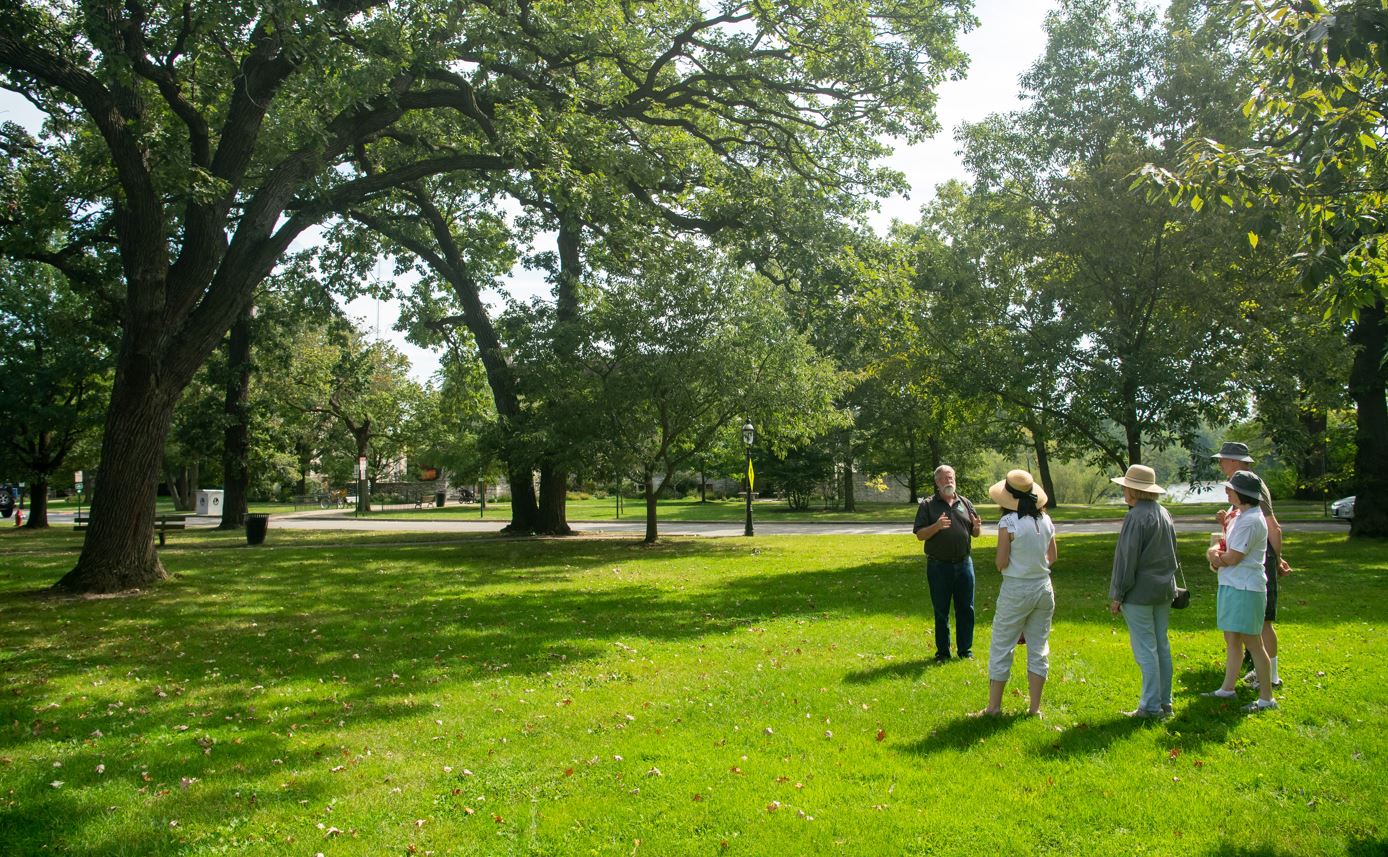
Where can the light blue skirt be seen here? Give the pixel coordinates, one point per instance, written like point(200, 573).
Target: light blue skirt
point(1240, 610)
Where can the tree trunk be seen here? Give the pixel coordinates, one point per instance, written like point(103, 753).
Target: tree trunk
point(1039, 438)
point(305, 457)
point(1368, 378)
point(362, 435)
point(525, 512)
point(1133, 432)
point(171, 480)
point(236, 477)
point(554, 477)
point(651, 533)
point(1310, 463)
point(554, 485)
point(38, 504)
point(501, 379)
point(194, 485)
point(118, 553)
point(849, 504)
point(915, 485)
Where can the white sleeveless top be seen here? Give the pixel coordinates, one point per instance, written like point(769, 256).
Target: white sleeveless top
point(1030, 539)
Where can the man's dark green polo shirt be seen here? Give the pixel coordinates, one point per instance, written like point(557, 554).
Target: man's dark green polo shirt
point(952, 544)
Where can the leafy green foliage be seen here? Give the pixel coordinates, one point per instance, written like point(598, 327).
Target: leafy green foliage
point(55, 371)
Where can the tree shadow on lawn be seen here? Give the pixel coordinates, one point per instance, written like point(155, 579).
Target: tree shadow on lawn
point(1197, 722)
point(908, 670)
point(1355, 847)
point(963, 733)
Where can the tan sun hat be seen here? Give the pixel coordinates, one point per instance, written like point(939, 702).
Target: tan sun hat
point(1139, 477)
point(1021, 482)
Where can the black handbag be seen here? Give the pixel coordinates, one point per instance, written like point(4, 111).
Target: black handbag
point(1182, 599)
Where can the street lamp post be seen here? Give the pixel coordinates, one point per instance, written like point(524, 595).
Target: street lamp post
point(749, 437)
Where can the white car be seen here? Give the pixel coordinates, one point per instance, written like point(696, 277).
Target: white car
point(1343, 509)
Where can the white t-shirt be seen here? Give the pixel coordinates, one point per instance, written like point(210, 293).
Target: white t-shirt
point(1030, 538)
point(1249, 534)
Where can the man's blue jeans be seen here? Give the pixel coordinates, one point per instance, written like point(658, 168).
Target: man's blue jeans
point(952, 582)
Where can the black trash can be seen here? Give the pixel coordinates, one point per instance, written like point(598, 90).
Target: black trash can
point(255, 528)
point(439, 498)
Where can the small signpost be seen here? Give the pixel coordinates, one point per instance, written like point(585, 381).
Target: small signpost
point(77, 483)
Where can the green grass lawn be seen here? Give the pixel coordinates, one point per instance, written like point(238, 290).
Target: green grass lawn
point(389, 694)
point(775, 511)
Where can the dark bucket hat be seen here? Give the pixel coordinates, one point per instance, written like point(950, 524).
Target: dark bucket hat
point(1235, 451)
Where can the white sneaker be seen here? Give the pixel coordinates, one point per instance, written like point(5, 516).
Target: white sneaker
point(1251, 678)
point(1260, 705)
point(1221, 693)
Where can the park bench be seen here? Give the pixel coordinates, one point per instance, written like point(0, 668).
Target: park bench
point(162, 524)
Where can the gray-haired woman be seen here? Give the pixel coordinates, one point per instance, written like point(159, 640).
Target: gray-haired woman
point(1143, 584)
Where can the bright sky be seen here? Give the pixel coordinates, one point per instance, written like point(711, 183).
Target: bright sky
point(1006, 42)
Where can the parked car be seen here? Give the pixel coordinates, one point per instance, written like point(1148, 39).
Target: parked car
point(1343, 509)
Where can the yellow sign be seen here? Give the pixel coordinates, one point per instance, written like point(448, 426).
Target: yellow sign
point(751, 476)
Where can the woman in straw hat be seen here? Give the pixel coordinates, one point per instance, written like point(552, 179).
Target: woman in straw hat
point(1242, 597)
point(1026, 601)
point(1143, 584)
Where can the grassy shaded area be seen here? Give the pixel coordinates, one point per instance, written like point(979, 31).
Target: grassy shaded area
point(369, 694)
point(772, 511)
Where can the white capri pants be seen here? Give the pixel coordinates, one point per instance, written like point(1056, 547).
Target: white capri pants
point(1025, 606)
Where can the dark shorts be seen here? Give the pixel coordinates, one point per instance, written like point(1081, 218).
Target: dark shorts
point(1270, 574)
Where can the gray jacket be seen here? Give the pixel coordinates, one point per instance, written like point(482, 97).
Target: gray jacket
point(1144, 563)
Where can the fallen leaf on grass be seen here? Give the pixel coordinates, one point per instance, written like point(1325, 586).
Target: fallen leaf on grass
point(881, 734)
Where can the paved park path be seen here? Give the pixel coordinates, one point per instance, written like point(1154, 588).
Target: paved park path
point(335, 520)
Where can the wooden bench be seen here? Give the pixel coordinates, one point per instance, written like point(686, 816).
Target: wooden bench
point(162, 524)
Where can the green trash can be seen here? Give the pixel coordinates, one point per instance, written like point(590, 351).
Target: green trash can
point(256, 525)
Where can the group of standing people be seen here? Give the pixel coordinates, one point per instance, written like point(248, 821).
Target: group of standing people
point(1247, 559)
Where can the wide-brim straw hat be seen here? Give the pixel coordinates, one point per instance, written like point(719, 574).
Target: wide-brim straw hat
point(1234, 451)
point(1139, 477)
point(1021, 481)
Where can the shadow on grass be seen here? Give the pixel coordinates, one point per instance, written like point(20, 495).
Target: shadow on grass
point(903, 670)
point(1353, 848)
point(963, 733)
